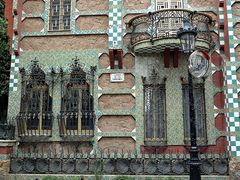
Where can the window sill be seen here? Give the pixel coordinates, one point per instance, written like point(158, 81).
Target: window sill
point(61, 30)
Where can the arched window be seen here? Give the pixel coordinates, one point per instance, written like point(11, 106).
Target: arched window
point(35, 117)
point(77, 115)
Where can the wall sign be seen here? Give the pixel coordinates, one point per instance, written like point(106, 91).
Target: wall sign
point(117, 77)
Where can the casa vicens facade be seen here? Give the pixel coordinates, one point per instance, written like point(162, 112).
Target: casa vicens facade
point(100, 88)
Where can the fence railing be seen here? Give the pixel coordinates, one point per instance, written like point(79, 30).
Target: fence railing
point(127, 164)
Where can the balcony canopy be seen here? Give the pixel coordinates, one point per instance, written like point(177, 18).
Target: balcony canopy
point(154, 32)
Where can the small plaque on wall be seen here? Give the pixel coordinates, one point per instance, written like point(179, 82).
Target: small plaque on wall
point(117, 77)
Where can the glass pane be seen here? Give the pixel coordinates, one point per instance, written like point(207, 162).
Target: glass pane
point(199, 111)
point(160, 121)
point(148, 111)
point(186, 113)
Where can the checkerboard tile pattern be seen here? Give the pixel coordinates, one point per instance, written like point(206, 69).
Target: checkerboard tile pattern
point(231, 93)
point(115, 24)
point(235, 145)
point(14, 66)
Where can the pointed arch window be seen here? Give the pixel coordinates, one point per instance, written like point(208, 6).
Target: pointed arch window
point(77, 111)
point(35, 117)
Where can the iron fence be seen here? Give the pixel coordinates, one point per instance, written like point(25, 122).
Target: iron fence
point(127, 164)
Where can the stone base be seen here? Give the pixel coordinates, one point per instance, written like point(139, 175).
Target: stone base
point(4, 168)
point(106, 177)
point(234, 169)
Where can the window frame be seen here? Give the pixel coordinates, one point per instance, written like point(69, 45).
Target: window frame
point(201, 139)
point(35, 117)
point(155, 87)
point(80, 82)
point(60, 17)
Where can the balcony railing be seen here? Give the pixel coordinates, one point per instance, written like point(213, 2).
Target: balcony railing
point(76, 124)
point(164, 24)
point(35, 124)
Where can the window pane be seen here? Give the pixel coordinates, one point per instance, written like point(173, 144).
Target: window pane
point(186, 114)
point(199, 111)
point(66, 22)
point(148, 111)
point(160, 121)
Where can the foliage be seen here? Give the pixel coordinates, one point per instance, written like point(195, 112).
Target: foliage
point(4, 55)
point(53, 178)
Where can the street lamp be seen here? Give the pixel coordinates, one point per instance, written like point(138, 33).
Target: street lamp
point(197, 67)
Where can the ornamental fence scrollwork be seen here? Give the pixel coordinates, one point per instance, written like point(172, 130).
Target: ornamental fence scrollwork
point(114, 163)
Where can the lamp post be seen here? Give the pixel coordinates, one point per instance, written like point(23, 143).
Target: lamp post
point(187, 36)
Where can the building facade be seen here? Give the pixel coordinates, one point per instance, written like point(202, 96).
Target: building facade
point(102, 87)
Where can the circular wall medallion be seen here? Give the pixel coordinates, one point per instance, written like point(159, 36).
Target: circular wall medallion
point(198, 63)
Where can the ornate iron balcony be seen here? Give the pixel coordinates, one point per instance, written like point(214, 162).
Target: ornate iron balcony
point(76, 124)
point(153, 32)
point(35, 124)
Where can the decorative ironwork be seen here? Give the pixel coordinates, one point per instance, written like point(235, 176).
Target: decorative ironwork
point(35, 124)
point(77, 115)
point(155, 110)
point(127, 164)
point(165, 24)
point(200, 115)
point(7, 131)
point(35, 117)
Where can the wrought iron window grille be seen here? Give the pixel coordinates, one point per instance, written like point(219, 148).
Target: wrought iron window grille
point(155, 109)
point(35, 117)
point(200, 113)
point(77, 116)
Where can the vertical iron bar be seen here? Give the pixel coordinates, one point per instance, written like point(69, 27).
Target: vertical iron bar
point(194, 159)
